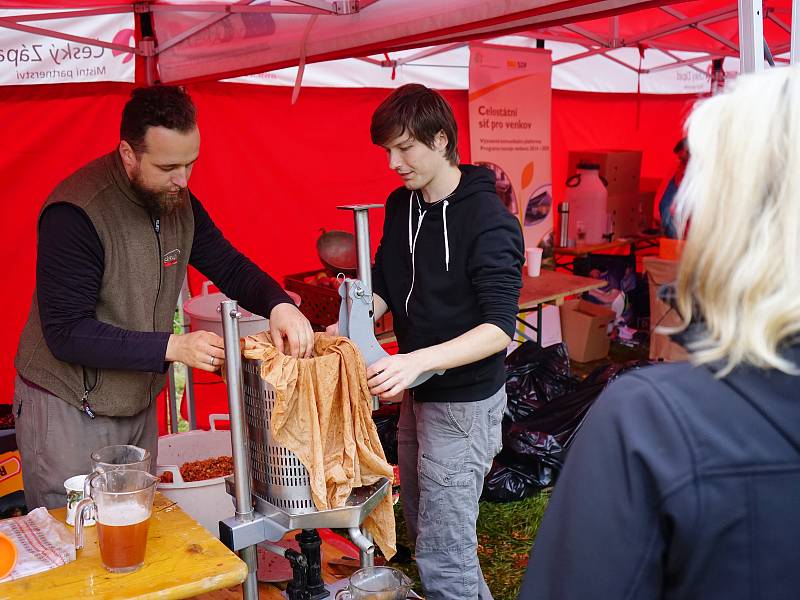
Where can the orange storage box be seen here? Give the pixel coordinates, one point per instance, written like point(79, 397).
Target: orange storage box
point(670, 249)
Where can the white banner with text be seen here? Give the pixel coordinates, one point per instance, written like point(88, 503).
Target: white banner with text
point(509, 124)
point(30, 58)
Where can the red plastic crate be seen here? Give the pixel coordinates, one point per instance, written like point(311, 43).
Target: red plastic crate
point(321, 304)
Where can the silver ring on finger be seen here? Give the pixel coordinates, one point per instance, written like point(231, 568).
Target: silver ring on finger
point(212, 361)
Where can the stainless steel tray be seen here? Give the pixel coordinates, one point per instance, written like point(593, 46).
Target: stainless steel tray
point(360, 503)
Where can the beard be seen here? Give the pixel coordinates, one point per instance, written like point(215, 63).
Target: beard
point(159, 203)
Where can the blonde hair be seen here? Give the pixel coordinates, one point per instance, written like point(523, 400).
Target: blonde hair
point(740, 197)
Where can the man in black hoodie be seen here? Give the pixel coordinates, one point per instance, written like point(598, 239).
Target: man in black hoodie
point(449, 268)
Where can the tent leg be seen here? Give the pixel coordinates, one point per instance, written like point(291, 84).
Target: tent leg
point(751, 36)
point(795, 53)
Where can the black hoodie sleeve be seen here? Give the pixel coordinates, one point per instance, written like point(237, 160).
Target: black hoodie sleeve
point(378, 280)
point(495, 265)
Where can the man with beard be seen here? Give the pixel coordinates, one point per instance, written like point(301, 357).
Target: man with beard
point(115, 239)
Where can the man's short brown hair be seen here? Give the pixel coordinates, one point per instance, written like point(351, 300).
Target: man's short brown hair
point(419, 111)
point(158, 106)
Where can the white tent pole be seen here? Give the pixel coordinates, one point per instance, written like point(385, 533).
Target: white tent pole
point(4, 22)
point(686, 62)
point(795, 52)
point(771, 16)
point(72, 14)
point(592, 52)
point(549, 35)
point(595, 52)
point(429, 52)
point(691, 48)
point(679, 62)
point(751, 36)
point(587, 34)
point(701, 28)
point(709, 17)
point(620, 62)
point(305, 7)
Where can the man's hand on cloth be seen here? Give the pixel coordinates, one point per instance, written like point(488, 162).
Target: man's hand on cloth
point(291, 332)
point(200, 350)
point(390, 376)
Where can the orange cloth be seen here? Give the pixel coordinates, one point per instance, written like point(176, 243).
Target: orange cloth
point(323, 413)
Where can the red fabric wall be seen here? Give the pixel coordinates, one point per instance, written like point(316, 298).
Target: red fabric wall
point(270, 174)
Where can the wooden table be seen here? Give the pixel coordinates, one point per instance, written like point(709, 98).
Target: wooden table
point(564, 257)
point(181, 561)
point(549, 286)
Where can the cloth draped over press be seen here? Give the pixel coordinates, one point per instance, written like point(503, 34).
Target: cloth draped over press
point(323, 413)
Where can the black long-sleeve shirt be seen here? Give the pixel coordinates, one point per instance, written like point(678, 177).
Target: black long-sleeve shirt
point(69, 272)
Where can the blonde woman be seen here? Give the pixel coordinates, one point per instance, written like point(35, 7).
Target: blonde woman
point(685, 480)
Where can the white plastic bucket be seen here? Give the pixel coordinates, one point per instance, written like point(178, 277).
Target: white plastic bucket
point(205, 501)
point(203, 311)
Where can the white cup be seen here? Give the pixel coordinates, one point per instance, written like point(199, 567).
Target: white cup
point(533, 259)
point(74, 487)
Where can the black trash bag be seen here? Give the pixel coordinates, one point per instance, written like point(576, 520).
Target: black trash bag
point(527, 446)
point(534, 376)
point(529, 462)
point(386, 419)
point(563, 416)
point(506, 483)
point(535, 447)
point(605, 374)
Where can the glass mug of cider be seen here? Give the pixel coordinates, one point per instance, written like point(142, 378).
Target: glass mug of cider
point(121, 502)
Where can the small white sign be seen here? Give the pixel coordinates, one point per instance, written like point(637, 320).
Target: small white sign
point(27, 58)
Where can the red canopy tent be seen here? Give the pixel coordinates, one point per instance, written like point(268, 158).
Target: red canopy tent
point(271, 173)
point(182, 41)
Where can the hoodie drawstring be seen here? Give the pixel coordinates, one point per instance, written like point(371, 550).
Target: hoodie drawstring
point(412, 239)
point(412, 243)
point(446, 243)
point(410, 208)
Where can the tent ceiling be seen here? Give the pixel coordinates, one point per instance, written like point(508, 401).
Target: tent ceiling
point(213, 39)
point(706, 26)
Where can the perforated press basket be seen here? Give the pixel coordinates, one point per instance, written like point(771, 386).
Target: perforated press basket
point(278, 475)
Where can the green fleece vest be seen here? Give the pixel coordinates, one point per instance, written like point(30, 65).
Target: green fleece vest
point(142, 277)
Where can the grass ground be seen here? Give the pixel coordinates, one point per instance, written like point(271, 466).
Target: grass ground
point(505, 536)
point(180, 374)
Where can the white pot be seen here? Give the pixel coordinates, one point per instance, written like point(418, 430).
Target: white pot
point(205, 501)
point(204, 315)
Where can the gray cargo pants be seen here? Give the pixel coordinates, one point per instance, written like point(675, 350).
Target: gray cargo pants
point(55, 440)
point(445, 449)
